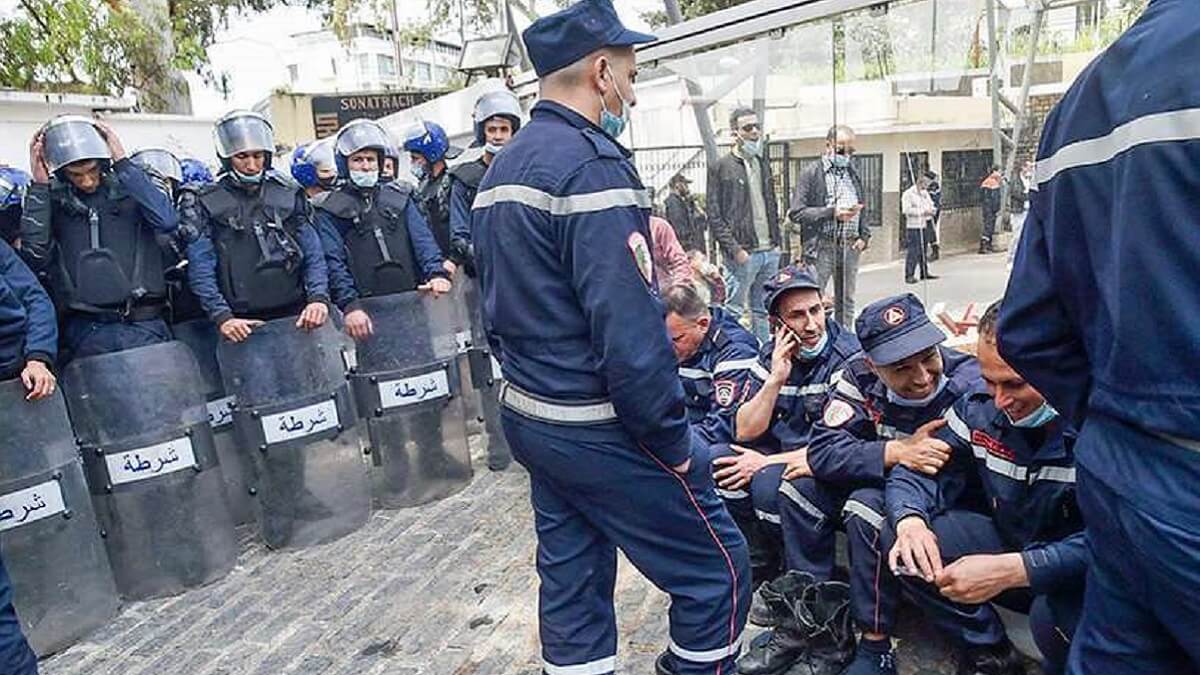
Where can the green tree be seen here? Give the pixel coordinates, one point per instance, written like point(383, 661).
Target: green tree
point(690, 10)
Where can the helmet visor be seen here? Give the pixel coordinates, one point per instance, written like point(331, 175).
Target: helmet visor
point(361, 136)
point(161, 163)
point(243, 133)
point(71, 139)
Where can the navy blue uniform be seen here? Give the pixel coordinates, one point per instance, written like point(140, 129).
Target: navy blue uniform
point(16, 658)
point(716, 377)
point(28, 331)
point(562, 244)
point(257, 255)
point(846, 455)
point(101, 259)
point(1004, 489)
point(464, 185)
point(352, 226)
point(1100, 318)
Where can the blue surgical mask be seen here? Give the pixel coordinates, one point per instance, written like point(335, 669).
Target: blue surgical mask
point(752, 148)
point(364, 179)
point(614, 125)
point(418, 171)
point(1038, 418)
point(840, 161)
point(807, 354)
point(248, 180)
point(493, 149)
point(893, 397)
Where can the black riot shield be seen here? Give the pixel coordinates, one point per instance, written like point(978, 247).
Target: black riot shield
point(296, 415)
point(63, 587)
point(156, 483)
point(462, 336)
point(408, 387)
point(201, 337)
point(486, 377)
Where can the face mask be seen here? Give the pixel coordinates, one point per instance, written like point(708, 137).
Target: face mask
point(752, 148)
point(807, 354)
point(364, 179)
point(493, 149)
point(248, 180)
point(418, 171)
point(893, 397)
point(613, 125)
point(1038, 418)
point(840, 161)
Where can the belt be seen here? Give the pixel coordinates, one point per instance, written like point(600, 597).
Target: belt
point(134, 314)
point(537, 408)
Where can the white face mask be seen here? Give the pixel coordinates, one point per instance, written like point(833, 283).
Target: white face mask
point(364, 179)
point(893, 397)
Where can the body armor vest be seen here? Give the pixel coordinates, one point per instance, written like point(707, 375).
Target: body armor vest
point(378, 247)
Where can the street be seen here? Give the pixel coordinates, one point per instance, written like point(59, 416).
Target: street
point(448, 588)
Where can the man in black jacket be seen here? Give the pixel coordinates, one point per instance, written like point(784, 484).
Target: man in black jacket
point(684, 216)
point(827, 205)
point(745, 218)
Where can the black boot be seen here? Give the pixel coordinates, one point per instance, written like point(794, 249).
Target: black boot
point(984, 245)
point(664, 664)
point(781, 648)
point(935, 251)
point(773, 600)
point(824, 616)
point(998, 659)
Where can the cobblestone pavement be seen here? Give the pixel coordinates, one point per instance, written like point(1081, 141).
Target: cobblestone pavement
point(444, 589)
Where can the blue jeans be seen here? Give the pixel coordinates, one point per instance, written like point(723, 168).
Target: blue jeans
point(748, 283)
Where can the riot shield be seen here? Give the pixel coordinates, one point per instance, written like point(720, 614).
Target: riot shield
point(156, 483)
point(63, 587)
point(295, 413)
point(408, 387)
point(462, 336)
point(486, 378)
point(201, 337)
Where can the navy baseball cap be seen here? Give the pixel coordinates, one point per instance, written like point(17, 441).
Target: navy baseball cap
point(896, 328)
point(787, 279)
point(557, 40)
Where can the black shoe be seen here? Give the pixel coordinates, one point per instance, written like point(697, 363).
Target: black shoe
point(664, 664)
point(930, 277)
point(910, 280)
point(983, 247)
point(773, 601)
point(935, 252)
point(824, 615)
point(999, 659)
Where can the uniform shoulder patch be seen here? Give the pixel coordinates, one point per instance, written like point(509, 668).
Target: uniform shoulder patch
point(724, 392)
point(837, 413)
point(641, 255)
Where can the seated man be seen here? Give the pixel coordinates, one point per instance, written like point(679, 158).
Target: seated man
point(882, 412)
point(715, 355)
point(1002, 513)
point(784, 396)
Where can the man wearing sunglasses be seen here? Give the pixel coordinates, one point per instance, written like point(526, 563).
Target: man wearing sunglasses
point(745, 218)
point(827, 207)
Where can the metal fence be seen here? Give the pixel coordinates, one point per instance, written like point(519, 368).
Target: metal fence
point(962, 172)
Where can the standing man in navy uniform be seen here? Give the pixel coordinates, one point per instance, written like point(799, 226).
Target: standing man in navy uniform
point(593, 407)
point(1101, 317)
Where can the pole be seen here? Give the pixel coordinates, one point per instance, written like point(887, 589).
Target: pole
point(1010, 165)
point(703, 124)
point(839, 232)
point(397, 49)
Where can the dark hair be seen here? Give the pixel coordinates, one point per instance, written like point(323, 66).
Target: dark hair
point(682, 299)
point(987, 323)
point(931, 175)
point(832, 134)
point(738, 113)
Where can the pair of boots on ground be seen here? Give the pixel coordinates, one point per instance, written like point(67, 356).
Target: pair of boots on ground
point(813, 634)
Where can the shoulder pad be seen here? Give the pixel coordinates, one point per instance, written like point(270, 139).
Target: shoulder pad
point(399, 186)
point(282, 178)
point(470, 173)
point(340, 204)
point(605, 146)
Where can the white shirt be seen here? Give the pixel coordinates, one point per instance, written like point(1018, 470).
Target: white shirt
point(916, 204)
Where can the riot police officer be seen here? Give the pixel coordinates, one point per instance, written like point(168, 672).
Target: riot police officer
point(13, 184)
point(256, 255)
point(1001, 515)
point(497, 118)
point(428, 149)
point(92, 233)
point(314, 169)
point(593, 407)
point(375, 239)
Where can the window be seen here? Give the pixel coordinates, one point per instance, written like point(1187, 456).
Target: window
point(365, 71)
point(424, 72)
point(962, 172)
point(387, 65)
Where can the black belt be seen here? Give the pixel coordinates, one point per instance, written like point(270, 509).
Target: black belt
point(131, 315)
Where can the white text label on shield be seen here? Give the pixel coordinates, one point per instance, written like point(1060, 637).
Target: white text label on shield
point(497, 374)
point(463, 340)
point(31, 504)
point(293, 424)
point(154, 460)
point(412, 390)
point(220, 412)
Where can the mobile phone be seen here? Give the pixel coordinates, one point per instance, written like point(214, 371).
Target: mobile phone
point(901, 570)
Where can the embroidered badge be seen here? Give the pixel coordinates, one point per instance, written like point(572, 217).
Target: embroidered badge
point(837, 413)
point(641, 255)
point(724, 391)
point(894, 315)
